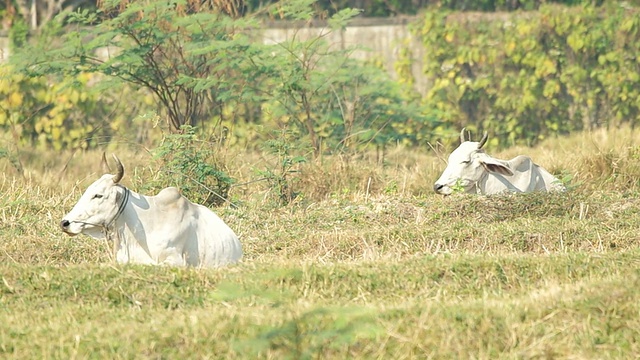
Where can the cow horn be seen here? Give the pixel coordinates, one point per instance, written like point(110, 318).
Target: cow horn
point(120, 173)
point(462, 136)
point(483, 140)
point(104, 164)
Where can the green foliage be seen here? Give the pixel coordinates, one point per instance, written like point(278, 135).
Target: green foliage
point(192, 61)
point(294, 10)
point(403, 67)
point(335, 102)
point(13, 159)
point(457, 188)
point(508, 5)
point(191, 164)
point(534, 75)
point(67, 114)
point(316, 331)
point(18, 34)
point(204, 69)
point(387, 8)
point(567, 180)
point(279, 175)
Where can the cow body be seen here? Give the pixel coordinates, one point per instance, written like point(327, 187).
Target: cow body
point(164, 229)
point(470, 168)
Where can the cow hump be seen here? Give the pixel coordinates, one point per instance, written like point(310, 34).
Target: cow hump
point(170, 196)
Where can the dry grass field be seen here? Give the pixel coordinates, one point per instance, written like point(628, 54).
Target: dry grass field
point(367, 263)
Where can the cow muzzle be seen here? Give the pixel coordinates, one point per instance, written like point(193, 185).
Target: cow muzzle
point(442, 189)
point(64, 225)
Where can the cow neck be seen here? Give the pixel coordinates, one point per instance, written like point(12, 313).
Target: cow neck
point(121, 206)
point(105, 227)
point(481, 184)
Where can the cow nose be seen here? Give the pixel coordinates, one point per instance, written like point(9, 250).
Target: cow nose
point(437, 187)
point(65, 224)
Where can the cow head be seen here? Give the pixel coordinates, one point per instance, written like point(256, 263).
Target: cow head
point(98, 206)
point(466, 166)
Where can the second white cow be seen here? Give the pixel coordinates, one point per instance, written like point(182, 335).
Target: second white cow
point(164, 229)
point(471, 169)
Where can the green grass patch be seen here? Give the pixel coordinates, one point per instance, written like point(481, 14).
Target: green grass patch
point(446, 305)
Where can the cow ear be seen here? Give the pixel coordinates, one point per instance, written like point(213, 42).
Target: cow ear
point(496, 167)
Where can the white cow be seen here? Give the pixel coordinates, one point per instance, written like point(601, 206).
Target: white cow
point(470, 168)
point(164, 229)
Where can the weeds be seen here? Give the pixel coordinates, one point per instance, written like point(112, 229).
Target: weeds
point(284, 174)
point(191, 164)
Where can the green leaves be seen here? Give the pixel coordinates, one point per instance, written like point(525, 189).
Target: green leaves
point(179, 57)
point(339, 20)
point(294, 10)
point(191, 164)
point(527, 78)
point(62, 115)
point(576, 41)
point(343, 104)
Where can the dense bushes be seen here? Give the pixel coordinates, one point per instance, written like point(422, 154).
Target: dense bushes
point(521, 76)
point(527, 76)
point(402, 7)
point(67, 113)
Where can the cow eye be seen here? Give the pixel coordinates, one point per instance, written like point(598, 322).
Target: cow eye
point(466, 162)
point(97, 196)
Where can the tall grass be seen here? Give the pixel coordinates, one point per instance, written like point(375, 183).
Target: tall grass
point(367, 263)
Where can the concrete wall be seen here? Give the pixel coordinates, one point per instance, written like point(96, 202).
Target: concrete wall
point(380, 39)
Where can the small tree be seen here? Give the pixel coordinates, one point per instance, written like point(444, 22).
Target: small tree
point(300, 74)
point(190, 56)
point(337, 102)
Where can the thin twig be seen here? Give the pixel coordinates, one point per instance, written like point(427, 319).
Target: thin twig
point(438, 154)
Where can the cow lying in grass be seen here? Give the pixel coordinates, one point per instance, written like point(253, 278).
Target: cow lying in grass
point(470, 169)
point(163, 229)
